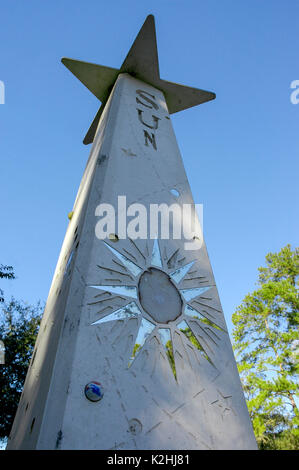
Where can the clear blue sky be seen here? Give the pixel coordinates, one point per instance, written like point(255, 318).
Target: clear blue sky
point(240, 151)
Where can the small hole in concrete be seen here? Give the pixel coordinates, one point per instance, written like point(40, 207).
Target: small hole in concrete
point(113, 237)
point(175, 192)
point(135, 426)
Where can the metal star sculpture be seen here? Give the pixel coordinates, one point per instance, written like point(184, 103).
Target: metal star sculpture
point(142, 63)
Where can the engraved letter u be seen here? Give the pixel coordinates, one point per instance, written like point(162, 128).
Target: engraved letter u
point(155, 120)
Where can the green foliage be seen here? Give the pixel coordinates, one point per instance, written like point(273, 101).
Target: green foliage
point(6, 272)
point(136, 349)
point(19, 325)
point(266, 343)
point(169, 352)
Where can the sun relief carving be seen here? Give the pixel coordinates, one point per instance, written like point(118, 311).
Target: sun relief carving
point(156, 300)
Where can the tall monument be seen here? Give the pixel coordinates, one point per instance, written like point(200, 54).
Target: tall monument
point(133, 350)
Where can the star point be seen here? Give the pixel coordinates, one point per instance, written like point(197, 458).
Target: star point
point(142, 63)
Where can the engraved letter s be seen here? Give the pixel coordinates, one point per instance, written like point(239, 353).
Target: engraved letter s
point(142, 94)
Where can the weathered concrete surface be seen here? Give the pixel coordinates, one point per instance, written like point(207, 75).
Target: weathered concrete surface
point(144, 406)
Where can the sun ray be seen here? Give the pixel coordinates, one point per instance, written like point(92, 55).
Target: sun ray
point(156, 259)
point(185, 328)
point(132, 267)
point(193, 292)
point(139, 251)
point(145, 329)
point(130, 254)
point(127, 291)
point(167, 343)
point(101, 301)
point(172, 258)
point(115, 271)
point(206, 305)
point(134, 309)
point(178, 275)
point(191, 312)
point(211, 335)
point(108, 307)
point(128, 311)
point(120, 265)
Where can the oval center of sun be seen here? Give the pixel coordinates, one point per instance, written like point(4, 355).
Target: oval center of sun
point(158, 296)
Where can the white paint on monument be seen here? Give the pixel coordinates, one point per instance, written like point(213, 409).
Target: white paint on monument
point(152, 338)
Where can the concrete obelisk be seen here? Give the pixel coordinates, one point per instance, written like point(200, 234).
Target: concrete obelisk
point(133, 350)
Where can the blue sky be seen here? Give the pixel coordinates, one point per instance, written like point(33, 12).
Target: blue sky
point(240, 151)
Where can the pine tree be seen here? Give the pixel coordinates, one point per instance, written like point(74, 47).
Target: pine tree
point(266, 343)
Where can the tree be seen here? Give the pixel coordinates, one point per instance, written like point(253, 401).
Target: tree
point(6, 272)
point(266, 343)
point(19, 325)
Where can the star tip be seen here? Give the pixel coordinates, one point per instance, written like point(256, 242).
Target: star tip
point(64, 61)
point(67, 60)
point(150, 19)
